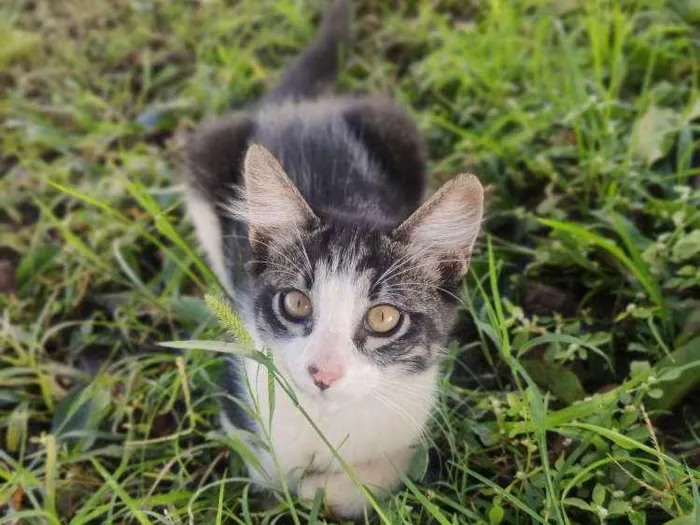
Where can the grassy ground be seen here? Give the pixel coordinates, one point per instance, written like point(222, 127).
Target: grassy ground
point(571, 392)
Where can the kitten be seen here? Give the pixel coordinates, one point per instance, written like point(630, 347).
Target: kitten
point(309, 211)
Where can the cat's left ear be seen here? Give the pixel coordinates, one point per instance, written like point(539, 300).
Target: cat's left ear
point(273, 204)
point(447, 225)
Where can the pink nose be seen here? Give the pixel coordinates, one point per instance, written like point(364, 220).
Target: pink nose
point(326, 377)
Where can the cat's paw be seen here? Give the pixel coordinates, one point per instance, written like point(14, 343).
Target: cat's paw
point(343, 498)
point(309, 484)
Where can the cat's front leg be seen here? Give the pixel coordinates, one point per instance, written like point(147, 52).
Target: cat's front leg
point(343, 497)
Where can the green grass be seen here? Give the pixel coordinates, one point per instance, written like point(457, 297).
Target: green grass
point(570, 393)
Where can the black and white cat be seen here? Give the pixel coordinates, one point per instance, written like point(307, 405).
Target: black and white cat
point(309, 210)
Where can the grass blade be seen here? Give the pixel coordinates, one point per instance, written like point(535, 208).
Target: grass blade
point(640, 271)
point(121, 493)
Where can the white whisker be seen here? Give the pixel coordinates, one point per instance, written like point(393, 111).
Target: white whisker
point(401, 412)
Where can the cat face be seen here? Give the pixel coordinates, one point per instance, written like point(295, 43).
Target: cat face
point(345, 308)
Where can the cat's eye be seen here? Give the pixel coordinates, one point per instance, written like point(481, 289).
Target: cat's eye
point(296, 305)
point(383, 319)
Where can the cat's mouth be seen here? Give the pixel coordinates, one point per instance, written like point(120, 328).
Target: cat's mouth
point(307, 390)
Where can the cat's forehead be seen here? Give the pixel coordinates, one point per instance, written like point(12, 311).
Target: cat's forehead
point(329, 250)
point(372, 263)
point(342, 292)
point(346, 249)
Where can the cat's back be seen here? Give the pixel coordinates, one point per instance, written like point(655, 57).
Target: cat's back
point(327, 159)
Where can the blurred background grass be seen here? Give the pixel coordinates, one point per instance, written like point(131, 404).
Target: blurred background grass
point(570, 393)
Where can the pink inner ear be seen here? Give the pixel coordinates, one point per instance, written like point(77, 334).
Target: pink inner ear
point(450, 220)
point(273, 202)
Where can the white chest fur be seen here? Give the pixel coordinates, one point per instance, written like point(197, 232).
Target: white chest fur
point(376, 426)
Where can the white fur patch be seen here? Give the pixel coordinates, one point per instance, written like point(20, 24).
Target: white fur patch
point(208, 229)
point(366, 431)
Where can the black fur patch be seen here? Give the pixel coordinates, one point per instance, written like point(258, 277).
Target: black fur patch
point(232, 383)
point(394, 142)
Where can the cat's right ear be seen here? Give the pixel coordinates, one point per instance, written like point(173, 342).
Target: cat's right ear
point(273, 205)
point(447, 225)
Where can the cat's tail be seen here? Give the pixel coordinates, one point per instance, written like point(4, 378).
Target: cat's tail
point(317, 67)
